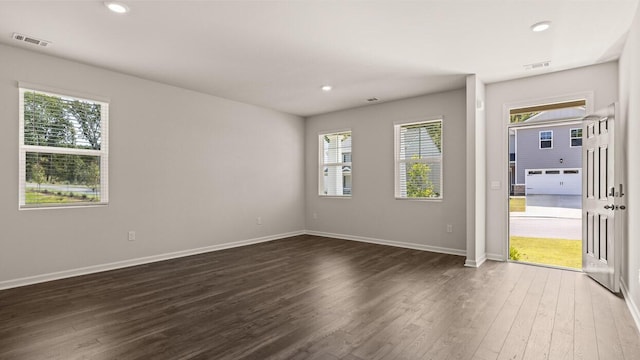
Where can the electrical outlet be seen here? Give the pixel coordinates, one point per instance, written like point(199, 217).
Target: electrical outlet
point(259, 220)
point(449, 228)
point(132, 235)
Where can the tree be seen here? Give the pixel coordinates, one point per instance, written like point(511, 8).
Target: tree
point(45, 123)
point(37, 174)
point(91, 176)
point(418, 183)
point(88, 117)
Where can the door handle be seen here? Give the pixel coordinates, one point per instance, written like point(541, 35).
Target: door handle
point(609, 207)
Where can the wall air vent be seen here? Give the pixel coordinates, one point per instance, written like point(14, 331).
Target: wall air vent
point(31, 40)
point(538, 65)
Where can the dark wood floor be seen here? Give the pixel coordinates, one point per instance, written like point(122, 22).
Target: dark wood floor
point(316, 298)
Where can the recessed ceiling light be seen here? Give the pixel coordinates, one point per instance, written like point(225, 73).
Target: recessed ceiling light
point(541, 26)
point(326, 88)
point(116, 7)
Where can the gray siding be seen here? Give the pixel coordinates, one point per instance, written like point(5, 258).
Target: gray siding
point(530, 156)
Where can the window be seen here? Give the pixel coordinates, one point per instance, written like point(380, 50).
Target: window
point(546, 139)
point(63, 150)
point(576, 137)
point(418, 160)
point(335, 164)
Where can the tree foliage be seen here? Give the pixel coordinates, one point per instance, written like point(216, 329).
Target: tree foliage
point(418, 183)
point(518, 118)
point(38, 174)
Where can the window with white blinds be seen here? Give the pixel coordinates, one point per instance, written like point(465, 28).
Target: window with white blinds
point(63, 150)
point(418, 160)
point(335, 164)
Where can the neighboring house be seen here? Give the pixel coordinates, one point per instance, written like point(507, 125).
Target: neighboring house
point(547, 158)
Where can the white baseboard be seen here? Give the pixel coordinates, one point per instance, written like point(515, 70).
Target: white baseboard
point(413, 246)
point(475, 263)
point(138, 261)
point(633, 307)
point(495, 257)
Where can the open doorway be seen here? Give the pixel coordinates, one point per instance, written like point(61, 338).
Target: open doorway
point(545, 192)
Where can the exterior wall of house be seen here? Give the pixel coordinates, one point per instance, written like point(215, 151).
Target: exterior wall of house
point(529, 155)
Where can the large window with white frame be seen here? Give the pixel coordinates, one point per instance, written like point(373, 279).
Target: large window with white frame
point(63, 150)
point(335, 168)
point(418, 160)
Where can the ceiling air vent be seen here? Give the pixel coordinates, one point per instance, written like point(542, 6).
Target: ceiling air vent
point(538, 65)
point(373, 99)
point(31, 40)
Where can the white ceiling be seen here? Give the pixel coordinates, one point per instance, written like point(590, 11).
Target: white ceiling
point(279, 54)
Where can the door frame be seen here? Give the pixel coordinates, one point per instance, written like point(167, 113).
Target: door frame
point(587, 96)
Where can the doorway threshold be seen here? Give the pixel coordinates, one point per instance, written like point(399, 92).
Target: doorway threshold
point(545, 265)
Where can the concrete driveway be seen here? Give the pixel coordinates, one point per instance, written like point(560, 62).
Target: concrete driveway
point(549, 216)
point(546, 227)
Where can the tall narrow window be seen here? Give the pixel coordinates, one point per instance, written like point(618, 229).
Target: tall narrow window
point(546, 139)
point(576, 137)
point(335, 164)
point(63, 150)
point(418, 160)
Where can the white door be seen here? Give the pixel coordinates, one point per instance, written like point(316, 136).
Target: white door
point(601, 250)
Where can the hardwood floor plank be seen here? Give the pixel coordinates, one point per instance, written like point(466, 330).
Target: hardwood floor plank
point(540, 337)
point(606, 333)
point(585, 344)
point(516, 341)
point(563, 332)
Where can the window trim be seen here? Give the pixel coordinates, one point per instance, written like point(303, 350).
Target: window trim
point(540, 140)
point(396, 157)
point(103, 153)
point(571, 137)
point(321, 163)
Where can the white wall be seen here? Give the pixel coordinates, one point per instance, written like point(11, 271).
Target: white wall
point(630, 108)
point(599, 80)
point(187, 170)
point(373, 214)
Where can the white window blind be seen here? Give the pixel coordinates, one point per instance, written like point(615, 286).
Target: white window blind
point(335, 164)
point(63, 150)
point(418, 160)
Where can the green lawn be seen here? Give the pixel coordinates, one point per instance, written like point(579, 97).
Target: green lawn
point(517, 204)
point(35, 197)
point(559, 252)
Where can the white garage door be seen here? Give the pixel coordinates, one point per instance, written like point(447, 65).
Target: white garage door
point(553, 181)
